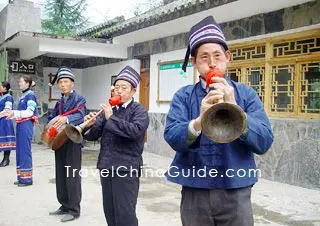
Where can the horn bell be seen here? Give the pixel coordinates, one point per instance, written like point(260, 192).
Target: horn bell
point(223, 122)
point(74, 133)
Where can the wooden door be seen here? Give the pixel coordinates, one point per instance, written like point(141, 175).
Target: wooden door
point(145, 88)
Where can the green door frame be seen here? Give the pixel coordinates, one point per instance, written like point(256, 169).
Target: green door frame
point(4, 65)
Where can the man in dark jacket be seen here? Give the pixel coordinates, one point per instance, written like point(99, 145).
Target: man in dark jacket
point(216, 178)
point(122, 129)
point(70, 109)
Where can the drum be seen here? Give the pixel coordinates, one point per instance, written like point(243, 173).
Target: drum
point(52, 136)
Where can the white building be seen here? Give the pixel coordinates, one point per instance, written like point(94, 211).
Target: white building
point(275, 49)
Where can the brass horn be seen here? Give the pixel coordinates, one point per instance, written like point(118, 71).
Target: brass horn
point(74, 133)
point(223, 122)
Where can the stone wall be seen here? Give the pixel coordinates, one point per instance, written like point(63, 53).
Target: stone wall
point(285, 19)
point(78, 63)
point(294, 157)
point(156, 143)
point(281, 20)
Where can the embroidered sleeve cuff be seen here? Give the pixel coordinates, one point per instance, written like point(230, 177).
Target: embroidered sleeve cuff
point(8, 105)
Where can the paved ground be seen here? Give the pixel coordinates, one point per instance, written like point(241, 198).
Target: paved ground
point(158, 205)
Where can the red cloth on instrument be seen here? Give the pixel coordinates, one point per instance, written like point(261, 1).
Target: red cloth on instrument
point(116, 100)
point(53, 132)
point(213, 72)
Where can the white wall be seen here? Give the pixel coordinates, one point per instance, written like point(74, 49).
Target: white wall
point(168, 56)
point(77, 87)
point(96, 82)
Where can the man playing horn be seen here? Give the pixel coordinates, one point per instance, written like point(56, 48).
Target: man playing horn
point(215, 194)
point(122, 129)
point(70, 109)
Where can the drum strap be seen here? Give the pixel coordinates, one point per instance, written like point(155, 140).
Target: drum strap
point(71, 111)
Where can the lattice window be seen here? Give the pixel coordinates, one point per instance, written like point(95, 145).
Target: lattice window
point(310, 88)
point(248, 53)
point(255, 78)
point(282, 95)
point(296, 47)
point(234, 74)
point(284, 70)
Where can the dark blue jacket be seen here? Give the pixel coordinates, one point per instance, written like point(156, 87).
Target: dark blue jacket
point(74, 100)
point(122, 137)
point(212, 165)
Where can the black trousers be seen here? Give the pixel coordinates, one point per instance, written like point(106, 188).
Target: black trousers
point(68, 181)
point(120, 194)
point(216, 207)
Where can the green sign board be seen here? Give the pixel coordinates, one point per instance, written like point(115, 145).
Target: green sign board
point(170, 66)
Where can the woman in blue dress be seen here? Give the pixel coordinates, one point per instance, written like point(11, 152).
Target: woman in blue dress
point(7, 136)
point(25, 115)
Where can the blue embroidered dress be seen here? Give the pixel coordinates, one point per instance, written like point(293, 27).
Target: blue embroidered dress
point(7, 136)
point(24, 136)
